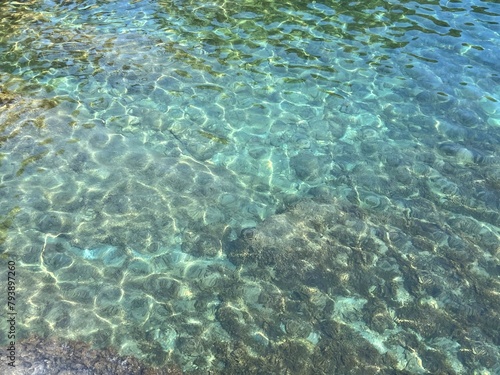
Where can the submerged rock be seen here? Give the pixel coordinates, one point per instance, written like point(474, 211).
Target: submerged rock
point(461, 153)
point(48, 357)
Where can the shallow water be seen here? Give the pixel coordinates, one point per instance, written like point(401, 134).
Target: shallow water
point(275, 187)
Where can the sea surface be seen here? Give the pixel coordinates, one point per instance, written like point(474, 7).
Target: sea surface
point(255, 187)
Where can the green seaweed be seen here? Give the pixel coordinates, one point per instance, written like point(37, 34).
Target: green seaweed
point(11, 118)
point(182, 73)
point(214, 137)
point(6, 222)
point(30, 160)
point(332, 93)
point(210, 87)
point(46, 141)
point(6, 98)
point(50, 103)
point(294, 80)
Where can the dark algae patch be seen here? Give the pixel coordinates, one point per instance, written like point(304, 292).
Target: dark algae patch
point(30, 160)
point(214, 137)
point(6, 222)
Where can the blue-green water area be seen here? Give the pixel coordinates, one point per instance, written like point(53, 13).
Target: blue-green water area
point(254, 187)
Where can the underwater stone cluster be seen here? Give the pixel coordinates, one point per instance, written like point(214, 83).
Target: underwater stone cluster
point(39, 356)
point(357, 295)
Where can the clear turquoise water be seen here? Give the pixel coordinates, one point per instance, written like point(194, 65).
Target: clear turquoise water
point(269, 187)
